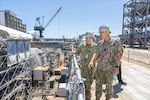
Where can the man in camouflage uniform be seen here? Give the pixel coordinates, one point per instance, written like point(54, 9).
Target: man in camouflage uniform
point(108, 54)
point(86, 51)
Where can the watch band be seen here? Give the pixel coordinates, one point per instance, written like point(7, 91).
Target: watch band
point(117, 66)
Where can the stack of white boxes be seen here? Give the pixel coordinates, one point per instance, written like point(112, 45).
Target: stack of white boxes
point(62, 90)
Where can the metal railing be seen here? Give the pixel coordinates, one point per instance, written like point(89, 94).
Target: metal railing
point(76, 82)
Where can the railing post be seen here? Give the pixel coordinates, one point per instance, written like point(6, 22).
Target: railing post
point(128, 55)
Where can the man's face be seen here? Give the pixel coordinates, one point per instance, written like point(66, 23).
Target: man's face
point(88, 40)
point(103, 35)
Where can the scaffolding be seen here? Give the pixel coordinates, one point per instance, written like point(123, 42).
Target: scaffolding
point(15, 69)
point(136, 23)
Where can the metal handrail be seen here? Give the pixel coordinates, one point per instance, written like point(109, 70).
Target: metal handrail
point(77, 88)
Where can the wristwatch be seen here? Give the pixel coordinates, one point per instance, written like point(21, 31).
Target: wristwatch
point(117, 66)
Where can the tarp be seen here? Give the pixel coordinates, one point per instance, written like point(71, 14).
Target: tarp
point(9, 33)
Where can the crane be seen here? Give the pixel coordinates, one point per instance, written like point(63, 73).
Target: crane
point(41, 28)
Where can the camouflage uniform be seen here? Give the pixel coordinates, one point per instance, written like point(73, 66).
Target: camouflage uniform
point(106, 63)
point(86, 52)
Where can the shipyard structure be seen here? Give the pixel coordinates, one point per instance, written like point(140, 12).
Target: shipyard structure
point(36, 70)
point(29, 68)
point(136, 23)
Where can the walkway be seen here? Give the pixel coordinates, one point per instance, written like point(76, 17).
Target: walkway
point(138, 80)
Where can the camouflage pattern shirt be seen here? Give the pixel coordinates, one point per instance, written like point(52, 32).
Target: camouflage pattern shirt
point(107, 52)
point(86, 51)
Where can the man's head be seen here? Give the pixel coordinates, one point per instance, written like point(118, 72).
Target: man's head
point(89, 37)
point(104, 32)
point(89, 34)
point(104, 28)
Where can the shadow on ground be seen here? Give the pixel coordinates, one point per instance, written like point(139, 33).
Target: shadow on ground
point(117, 88)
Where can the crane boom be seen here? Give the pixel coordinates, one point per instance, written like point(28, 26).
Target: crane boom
point(52, 17)
point(40, 28)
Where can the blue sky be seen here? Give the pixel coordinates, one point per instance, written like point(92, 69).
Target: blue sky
point(76, 16)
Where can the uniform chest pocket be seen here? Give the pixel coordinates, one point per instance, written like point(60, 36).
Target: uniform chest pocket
point(111, 51)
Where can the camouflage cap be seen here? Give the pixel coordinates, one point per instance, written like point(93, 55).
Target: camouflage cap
point(89, 34)
point(103, 28)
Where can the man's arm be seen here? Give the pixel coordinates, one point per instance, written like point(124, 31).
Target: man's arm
point(92, 60)
point(118, 59)
point(78, 50)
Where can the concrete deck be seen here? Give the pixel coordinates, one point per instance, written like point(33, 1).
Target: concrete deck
point(115, 95)
point(138, 80)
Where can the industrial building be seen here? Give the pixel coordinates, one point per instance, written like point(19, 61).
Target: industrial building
point(9, 19)
point(136, 23)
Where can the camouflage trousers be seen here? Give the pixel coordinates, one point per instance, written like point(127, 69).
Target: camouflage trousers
point(88, 74)
point(100, 77)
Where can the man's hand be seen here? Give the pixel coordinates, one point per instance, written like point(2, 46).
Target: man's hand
point(93, 60)
point(71, 53)
point(90, 65)
point(116, 71)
